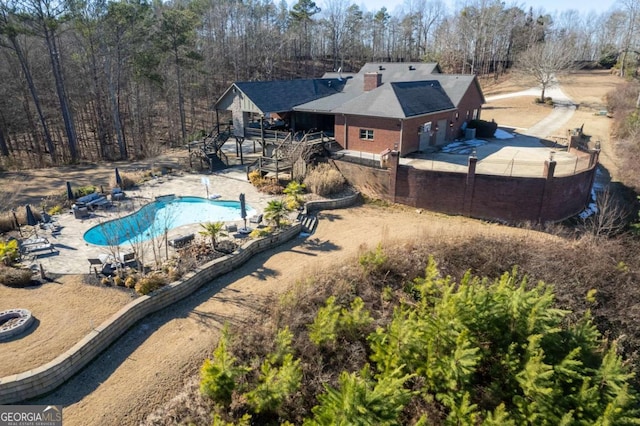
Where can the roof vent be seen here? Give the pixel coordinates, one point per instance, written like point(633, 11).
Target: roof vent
point(380, 67)
point(412, 68)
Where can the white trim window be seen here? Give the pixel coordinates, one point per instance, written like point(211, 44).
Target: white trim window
point(366, 134)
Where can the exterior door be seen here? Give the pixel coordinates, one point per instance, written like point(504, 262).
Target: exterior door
point(441, 135)
point(425, 136)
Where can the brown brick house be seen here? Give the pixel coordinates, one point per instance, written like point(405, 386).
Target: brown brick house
point(402, 106)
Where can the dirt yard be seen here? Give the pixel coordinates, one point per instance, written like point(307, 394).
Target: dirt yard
point(147, 366)
point(586, 88)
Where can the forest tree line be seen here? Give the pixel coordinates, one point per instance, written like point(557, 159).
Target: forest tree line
point(91, 80)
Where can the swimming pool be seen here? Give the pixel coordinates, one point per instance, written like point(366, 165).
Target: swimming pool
point(164, 213)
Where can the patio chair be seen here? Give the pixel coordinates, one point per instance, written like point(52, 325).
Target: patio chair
point(117, 194)
point(129, 259)
point(81, 212)
point(256, 219)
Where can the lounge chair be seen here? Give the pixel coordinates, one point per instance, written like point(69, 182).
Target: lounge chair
point(34, 251)
point(93, 264)
point(92, 201)
point(181, 241)
point(256, 219)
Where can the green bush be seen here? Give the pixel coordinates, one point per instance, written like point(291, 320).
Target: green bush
point(294, 191)
point(9, 252)
point(219, 374)
point(15, 277)
point(57, 209)
point(84, 190)
point(261, 232)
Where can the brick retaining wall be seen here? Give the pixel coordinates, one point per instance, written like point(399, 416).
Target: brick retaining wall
point(493, 197)
point(32, 383)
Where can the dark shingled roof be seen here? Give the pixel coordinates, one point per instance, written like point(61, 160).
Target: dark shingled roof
point(421, 97)
point(283, 95)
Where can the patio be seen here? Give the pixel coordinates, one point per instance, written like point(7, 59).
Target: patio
point(72, 251)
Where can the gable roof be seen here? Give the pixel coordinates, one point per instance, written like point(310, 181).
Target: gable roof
point(283, 95)
point(406, 90)
point(421, 97)
point(399, 100)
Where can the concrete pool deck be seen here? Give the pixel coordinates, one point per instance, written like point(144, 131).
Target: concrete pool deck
point(72, 251)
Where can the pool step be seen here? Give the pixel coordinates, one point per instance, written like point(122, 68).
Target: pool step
point(309, 222)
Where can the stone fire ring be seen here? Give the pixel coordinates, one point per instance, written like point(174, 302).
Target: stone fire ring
point(13, 322)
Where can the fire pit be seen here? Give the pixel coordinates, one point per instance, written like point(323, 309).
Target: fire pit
point(13, 322)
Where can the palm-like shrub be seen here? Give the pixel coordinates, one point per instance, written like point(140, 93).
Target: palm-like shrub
point(212, 230)
point(275, 212)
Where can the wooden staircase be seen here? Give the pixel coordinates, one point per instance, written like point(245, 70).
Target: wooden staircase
point(212, 150)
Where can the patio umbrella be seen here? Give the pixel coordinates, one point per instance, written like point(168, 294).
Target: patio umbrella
point(69, 191)
point(31, 218)
point(243, 210)
point(118, 179)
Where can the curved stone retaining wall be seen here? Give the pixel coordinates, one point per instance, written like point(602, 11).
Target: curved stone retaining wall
point(32, 383)
point(313, 206)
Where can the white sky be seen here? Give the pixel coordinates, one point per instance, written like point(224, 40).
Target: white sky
point(550, 6)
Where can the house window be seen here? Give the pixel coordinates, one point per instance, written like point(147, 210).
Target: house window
point(475, 114)
point(366, 134)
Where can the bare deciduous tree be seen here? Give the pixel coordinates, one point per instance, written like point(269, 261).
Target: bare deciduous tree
point(544, 61)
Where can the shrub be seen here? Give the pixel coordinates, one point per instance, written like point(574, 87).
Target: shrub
point(149, 283)
point(130, 281)
point(84, 190)
point(484, 129)
point(15, 277)
point(255, 177)
point(119, 281)
point(272, 188)
point(220, 373)
point(57, 209)
point(261, 232)
point(105, 281)
point(294, 191)
point(7, 223)
point(324, 180)
point(129, 180)
point(9, 252)
point(174, 274)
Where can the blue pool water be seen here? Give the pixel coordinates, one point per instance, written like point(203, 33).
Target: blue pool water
point(152, 220)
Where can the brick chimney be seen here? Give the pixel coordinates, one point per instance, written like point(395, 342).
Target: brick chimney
point(372, 80)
